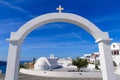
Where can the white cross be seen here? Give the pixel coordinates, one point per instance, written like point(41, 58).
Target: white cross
point(60, 9)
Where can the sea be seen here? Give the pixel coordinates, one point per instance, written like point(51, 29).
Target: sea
point(3, 68)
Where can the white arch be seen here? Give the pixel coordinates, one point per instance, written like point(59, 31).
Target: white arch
point(101, 37)
point(59, 17)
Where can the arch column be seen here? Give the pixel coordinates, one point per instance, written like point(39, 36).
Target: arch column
point(106, 59)
point(13, 60)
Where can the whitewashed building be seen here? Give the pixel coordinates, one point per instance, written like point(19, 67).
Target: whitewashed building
point(66, 62)
point(87, 56)
point(44, 63)
point(115, 50)
point(95, 58)
point(52, 56)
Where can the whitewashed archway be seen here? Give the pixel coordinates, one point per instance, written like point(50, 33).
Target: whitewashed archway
point(101, 38)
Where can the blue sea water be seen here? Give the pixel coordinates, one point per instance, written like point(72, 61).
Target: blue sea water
point(3, 68)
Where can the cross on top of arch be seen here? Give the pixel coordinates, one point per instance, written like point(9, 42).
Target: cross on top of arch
point(60, 9)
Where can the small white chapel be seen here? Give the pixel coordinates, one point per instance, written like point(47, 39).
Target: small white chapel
point(44, 63)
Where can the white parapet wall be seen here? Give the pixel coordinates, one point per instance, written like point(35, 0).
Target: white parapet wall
point(62, 74)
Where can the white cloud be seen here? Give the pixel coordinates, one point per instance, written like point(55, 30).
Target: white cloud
point(15, 7)
point(55, 45)
point(77, 36)
point(109, 17)
point(57, 25)
point(114, 30)
point(9, 25)
point(55, 42)
point(55, 37)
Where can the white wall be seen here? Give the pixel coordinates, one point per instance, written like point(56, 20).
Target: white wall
point(61, 74)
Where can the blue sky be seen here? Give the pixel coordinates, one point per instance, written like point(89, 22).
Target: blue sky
point(62, 39)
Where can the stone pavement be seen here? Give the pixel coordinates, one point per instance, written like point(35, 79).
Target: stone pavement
point(63, 73)
point(30, 77)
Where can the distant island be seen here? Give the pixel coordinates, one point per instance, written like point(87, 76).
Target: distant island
point(3, 63)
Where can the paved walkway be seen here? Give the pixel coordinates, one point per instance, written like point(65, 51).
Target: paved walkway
point(30, 77)
point(65, 74)
point(92, 75)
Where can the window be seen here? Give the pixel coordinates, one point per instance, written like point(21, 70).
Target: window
point(114, 46)
point(117, 52)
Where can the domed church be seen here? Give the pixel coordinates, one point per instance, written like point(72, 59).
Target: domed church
point(44, 63)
